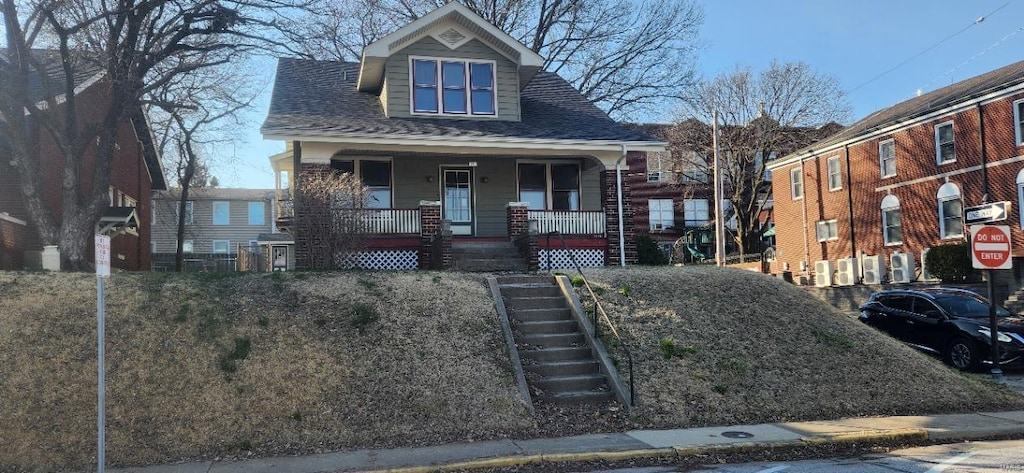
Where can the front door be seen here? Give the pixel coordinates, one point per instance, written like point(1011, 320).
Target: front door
point(458, 199)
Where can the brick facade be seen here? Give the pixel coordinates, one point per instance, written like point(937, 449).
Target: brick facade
point(856, 206)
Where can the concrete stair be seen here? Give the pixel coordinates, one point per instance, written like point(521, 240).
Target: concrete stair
point(559, 364)
point(1015, 303)
point(493, 257)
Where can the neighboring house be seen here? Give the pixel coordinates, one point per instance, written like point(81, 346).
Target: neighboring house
point(135, 173)
point(449, 118)
point(673, 192)
point(217, 223)
point(896, 183)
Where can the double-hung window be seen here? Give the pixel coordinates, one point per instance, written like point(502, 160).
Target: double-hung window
point(189, 214)
point(835, 174)
point(945, 151)
point(550, 186)
point(256, 213)
point(828, 230)
point(696, 212)
point(661, 214)
point(796, 183)
point(221, 213)
point(221, 246)
point(1020, 195)
point(887, 158)
point(1018, 121)
point(892, 228)
point(452, 87)
point(951, 223)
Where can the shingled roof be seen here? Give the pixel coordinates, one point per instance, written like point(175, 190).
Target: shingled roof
point(963, 91)
point(320, 97)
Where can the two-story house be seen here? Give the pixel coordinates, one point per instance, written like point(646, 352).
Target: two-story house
point(135, 172)
point(217, 223)
point(866, 203)
point(451, 119)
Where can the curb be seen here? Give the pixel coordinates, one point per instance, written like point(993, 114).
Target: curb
point(519, 460)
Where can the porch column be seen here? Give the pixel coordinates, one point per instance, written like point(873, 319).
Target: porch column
point(609, 200)
point(430, 228)
point(519, 233)
point(301, 218)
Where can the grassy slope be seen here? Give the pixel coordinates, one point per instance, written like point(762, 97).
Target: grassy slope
point(353, 360)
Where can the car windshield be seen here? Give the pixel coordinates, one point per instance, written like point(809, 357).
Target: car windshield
point(966, 306)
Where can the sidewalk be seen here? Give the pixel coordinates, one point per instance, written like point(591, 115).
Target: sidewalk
point(624, 446)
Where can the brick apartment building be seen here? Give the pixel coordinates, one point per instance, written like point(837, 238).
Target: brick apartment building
point(895, 184)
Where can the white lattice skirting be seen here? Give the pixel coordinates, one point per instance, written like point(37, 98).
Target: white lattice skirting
point(561, 259)
point(384, 259)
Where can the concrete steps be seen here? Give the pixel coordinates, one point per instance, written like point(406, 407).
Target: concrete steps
point(489, 257)
point(1015, 303)
point(559, 364)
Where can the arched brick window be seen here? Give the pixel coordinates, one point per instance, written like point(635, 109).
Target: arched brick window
point(892, 228)
point(951, 222)
point(1020, 196)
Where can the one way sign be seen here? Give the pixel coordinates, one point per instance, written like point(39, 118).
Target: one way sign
point(984, 213)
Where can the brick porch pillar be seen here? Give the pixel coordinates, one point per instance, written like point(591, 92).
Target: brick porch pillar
point(609, 200)
point(303, 245)
point(519, 233)
point(430, 225)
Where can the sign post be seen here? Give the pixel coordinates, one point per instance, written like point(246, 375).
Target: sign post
point(102, 252)
point(990, 249)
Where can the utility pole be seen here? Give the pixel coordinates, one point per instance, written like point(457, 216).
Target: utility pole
point(719, 221)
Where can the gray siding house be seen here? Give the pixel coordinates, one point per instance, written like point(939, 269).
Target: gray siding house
point(450, 115)
point(217, 223)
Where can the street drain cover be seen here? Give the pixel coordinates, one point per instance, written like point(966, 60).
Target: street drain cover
point(737, 435)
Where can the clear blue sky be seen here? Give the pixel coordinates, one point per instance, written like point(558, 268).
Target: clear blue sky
point(930, 43)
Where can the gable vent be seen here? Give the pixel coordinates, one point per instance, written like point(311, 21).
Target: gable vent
point(451, 36)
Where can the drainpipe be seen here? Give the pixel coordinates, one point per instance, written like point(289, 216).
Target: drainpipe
point(618, 192)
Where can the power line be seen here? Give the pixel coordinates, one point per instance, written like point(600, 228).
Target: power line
point(983, 51)
point(943, 40)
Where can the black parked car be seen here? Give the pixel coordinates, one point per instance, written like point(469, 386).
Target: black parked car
point(952, 323)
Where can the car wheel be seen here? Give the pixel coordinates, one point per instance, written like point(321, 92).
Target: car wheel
point(962, 354)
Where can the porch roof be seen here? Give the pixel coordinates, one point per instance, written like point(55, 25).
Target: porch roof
point(319, 100)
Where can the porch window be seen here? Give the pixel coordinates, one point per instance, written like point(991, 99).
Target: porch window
point(374, 174)
point(546, 186)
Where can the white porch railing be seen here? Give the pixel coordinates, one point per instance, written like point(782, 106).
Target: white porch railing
point(568, 222)
point(391, 221)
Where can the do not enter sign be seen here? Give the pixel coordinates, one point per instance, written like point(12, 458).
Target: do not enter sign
point(990, 246)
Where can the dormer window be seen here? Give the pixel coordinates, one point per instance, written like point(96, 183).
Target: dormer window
point(452, 87)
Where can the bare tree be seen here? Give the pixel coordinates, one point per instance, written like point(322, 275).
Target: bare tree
point(332, 219)
point(624, 55)
point(761, 116)
point(136, 47)
point(194, 111)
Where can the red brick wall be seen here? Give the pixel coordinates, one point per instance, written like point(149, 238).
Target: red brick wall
point(916, 183)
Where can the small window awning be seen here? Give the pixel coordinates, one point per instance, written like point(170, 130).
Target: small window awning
point(272, 238)
point(116, 220)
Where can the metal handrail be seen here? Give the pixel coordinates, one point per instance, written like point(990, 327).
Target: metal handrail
point(598, 308)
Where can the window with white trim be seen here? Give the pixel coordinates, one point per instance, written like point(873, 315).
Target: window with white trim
point(375, 174)
point(892, 227)
point(189, 213)
point(951, 223)
point(257, 211)
point(187, 246)
point(835, 174)
point(828, 230)
point(221, 246)
point(452, 86)
point(1018, 121)
point(887, 158)
point(945, 150)
point(549, 186)
point(661, 214)
point(796, 183)
point(1020, 196)
point(696, 212)
point(221, 213)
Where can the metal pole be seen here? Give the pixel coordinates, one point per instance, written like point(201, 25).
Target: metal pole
point(101, 388)
point(719, 222)
point(993, 326)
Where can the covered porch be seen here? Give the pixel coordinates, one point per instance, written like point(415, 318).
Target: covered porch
point(416, 196)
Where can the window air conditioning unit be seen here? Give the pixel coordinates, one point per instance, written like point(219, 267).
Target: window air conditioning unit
point(902, 265)
point(925, 275)
point(874, 268)
point(823, 273)
point(654, 176)
point(846, 272)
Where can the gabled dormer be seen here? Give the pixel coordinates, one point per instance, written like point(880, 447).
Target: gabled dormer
point(450, 63)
